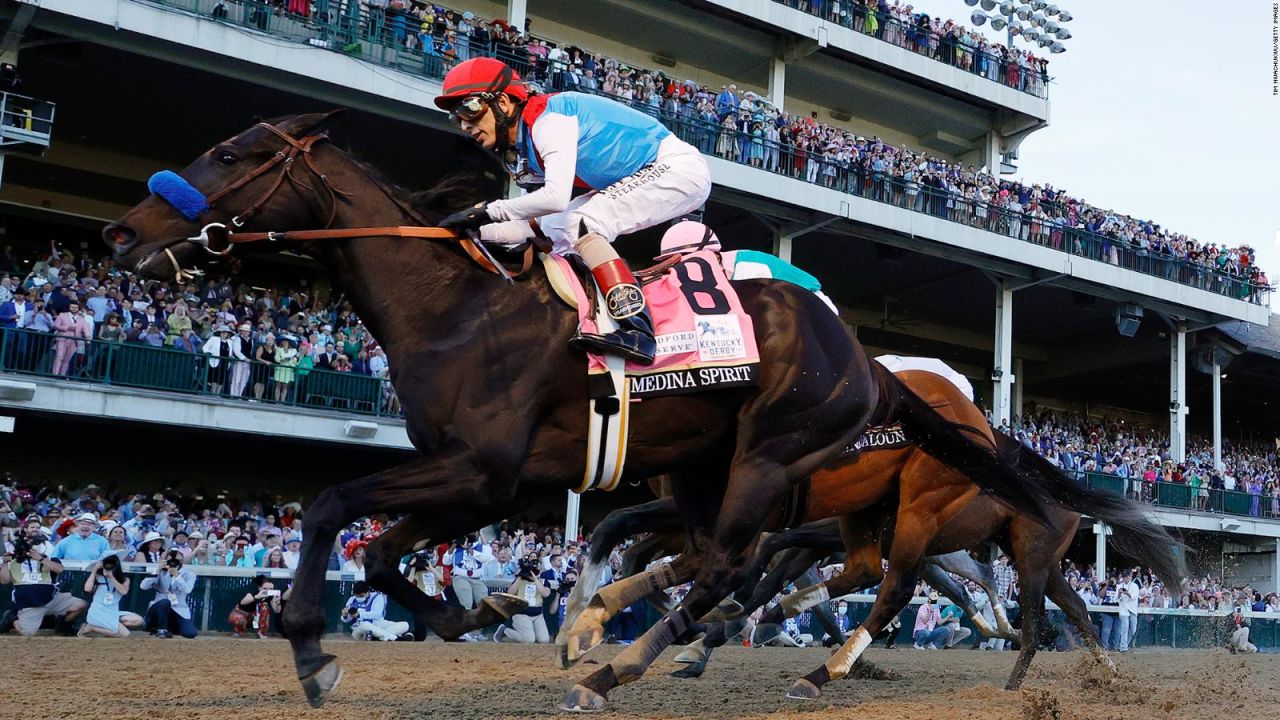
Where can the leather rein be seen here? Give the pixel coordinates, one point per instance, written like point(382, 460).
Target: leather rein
point(220, 240)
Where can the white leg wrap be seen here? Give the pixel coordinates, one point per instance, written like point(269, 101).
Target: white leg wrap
point(981, 623)
point(798, 602)
point(839, 664)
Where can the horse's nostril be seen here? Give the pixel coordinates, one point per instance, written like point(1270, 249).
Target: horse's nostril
point(119, 236)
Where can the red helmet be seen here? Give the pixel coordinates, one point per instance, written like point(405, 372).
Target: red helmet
point(480, 76)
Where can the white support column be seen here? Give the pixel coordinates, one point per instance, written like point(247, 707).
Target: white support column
point(571, 517)
point(992, 153)
point(517, 11)
point(777, 81)
point(1002, 376)
point(1016, 404)
point(782, 244)
point(1275, 569)
point(1217, 417)
point(1100, 533)
point(1178, 393)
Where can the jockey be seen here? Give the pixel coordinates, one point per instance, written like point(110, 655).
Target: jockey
point(689, 236)
point(635, 172)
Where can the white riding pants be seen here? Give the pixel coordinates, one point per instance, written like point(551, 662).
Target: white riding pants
point(675, 184)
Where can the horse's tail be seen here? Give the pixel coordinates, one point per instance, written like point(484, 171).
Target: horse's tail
point(969, 451)
point(1132, 532)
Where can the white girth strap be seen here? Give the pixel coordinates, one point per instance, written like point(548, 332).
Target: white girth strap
point(607, 420)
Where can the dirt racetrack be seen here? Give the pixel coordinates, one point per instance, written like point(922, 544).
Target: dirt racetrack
point(228, 679)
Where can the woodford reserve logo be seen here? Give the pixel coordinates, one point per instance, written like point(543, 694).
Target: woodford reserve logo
point(880, 437)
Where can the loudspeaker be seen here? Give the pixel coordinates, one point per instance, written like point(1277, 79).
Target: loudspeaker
point(1128, 318)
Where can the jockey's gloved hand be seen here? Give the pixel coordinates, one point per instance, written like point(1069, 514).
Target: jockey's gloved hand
point(473, 218)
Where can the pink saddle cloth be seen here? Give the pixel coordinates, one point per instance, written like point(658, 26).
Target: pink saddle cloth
point(706, 341)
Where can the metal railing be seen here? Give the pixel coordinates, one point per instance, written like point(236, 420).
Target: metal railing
point(383, 38)
point(168, 369)
point(1180, 496)
point(866, 19)
point(25, 121)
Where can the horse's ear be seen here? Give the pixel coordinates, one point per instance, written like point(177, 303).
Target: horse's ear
point(308, 124)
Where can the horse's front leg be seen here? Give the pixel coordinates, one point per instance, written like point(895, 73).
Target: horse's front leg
point(450, 480)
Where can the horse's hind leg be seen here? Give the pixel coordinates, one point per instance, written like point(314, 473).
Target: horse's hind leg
point(447, 621)
point(419, 486)
point(965, 566)
point(909, 541)
point(1031, 592)
point(1060, 592)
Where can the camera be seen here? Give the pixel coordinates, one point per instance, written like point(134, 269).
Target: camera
point(22, 544)
point(528, 570)
point(173, 563)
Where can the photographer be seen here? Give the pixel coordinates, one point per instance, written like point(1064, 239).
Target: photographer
point(527, 626)
point(366, 612)
point(1238, 631)
point(467, 556)
point(109, 585)
point(169, 612)
point(259, 607)
point(31, 571)
point(422, 571)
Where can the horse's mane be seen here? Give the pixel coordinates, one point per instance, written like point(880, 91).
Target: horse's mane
point(450, 193)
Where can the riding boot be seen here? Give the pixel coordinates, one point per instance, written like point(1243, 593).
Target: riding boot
point(625, 304)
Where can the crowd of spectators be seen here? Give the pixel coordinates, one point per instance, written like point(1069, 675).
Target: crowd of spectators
point(1140, 457)
point(746, 127)
point(258, 344)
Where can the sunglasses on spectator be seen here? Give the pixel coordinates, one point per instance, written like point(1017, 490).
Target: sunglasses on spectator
point(470, 109)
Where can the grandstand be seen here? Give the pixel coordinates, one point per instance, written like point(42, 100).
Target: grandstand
point(1102, 327)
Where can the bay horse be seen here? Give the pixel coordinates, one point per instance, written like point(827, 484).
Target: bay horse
point(903, 504)
point(493, 398)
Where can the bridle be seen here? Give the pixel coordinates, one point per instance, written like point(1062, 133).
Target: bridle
point(220, 240)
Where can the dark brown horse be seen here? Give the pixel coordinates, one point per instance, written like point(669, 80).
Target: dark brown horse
point(496, 402)
point(901, 503)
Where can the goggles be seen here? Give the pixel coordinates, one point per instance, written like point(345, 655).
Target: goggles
point(471, 108)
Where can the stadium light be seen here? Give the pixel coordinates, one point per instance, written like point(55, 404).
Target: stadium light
point(1015, 29)
point(1045, 41)
point(999, 23)
point(978, 18)
point(1057, 48)
point(1064, 16)
point(1031, 34)
point(1024, 12)
point(1039, 4)
point(1039, 20)
point(988, 5)
point(1063, 34)
point(1050, 26)
point(1008, 8)
point(970, 3)
point(1051, 10)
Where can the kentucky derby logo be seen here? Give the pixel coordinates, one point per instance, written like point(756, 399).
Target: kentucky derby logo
point(720, 338)
point(624, 301)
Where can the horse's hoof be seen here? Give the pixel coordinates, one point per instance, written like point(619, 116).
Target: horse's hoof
point(804, 690)
point(505, 604)
point(562, 657)
point(692, 670)
point(764, 634)
point(691, 654)
point(319, 684)
point(582, 642)
point(728, 609)
point(581, 699)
